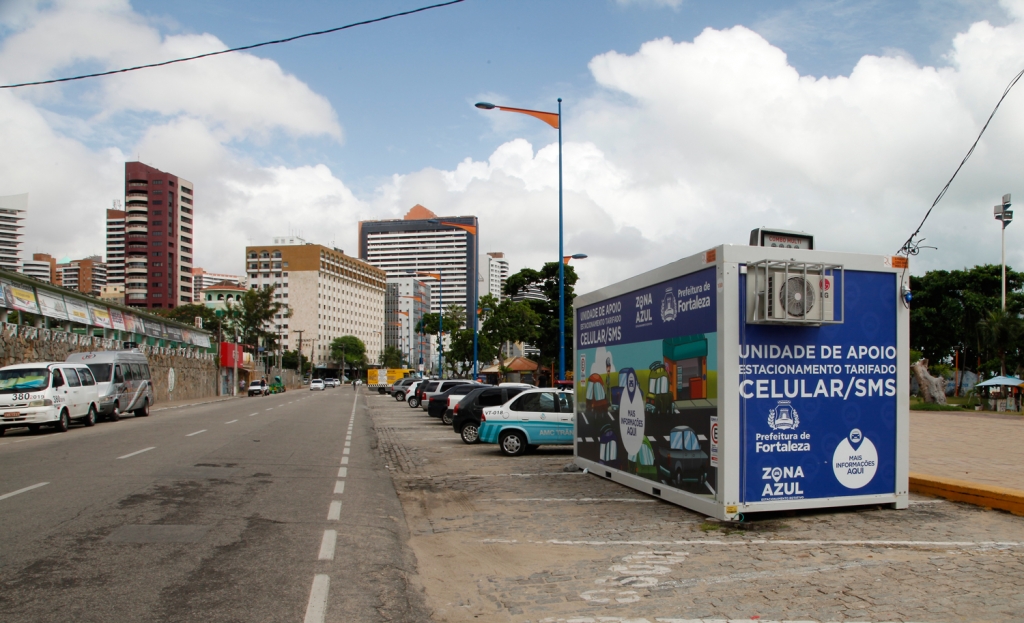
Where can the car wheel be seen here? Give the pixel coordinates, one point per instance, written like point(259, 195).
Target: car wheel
point(62, 422)
point(512, 443)
point(90, 418)
point(413, 402)
point(144, 410)
point(115, 413)
point(470, 432)
point(447, 418)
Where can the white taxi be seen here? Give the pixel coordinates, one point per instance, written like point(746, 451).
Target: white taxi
point(534, 417)
point(47, 394)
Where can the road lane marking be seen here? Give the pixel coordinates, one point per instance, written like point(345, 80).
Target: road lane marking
point(327, 545)
point(252, 414)
point(35, 486)
point(137, 452)
point(346, 451)
point(334, 513)
point(343, 472)
point(196, 433)
point(339, 487)
point(316, 609)
point(231, 422)
point(270, 409)
point(344, 460)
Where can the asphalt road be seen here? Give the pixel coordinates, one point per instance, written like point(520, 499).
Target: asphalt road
point(252, 509)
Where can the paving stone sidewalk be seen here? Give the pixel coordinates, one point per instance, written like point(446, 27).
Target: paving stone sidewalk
point(502, 539)
point(987, 449)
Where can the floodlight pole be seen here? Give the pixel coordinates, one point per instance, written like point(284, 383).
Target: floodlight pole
point(1005, 216)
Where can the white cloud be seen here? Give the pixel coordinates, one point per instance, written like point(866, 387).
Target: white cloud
point(658, 3)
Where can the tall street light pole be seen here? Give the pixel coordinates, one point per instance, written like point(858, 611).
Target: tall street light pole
point(555, 121)
point(1005, 214)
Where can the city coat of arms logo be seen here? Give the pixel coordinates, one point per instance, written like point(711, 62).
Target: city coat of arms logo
point(668, 306)
point(783, 416)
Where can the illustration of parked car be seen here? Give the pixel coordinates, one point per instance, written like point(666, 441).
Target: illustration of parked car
point(596, 398)
point(642, 463)
point(683, 461)
point(659, 398)
point(609, 451)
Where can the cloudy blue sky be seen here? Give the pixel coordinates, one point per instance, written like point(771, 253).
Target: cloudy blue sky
point(686, 123)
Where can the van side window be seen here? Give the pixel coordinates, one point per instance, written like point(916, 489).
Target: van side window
point(72, 377)
point(145, 370)
point(136, 372)
point(127, 371)
point(118, 376)
point(87, 378)
point(58, 380)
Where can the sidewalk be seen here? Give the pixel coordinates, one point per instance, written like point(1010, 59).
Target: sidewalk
point(178, 404)
point(972, 457)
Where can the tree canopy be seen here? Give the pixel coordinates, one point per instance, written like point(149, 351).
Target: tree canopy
point(545, 319)
point(188, 313)
point(349, 350)
point(253, 314)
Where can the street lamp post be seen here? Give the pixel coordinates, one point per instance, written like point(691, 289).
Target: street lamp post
point(1003, 213)
point(555, 121)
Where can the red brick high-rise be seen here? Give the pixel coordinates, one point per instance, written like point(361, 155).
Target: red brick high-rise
point(158, 238)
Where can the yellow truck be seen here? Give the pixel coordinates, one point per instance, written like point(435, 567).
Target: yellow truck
point(383, 378)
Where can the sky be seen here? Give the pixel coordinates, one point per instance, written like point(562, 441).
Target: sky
point(685, 124)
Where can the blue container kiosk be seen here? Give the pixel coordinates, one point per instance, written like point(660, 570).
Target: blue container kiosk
point(747, 379)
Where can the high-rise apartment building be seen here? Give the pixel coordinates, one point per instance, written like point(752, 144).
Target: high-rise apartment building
point(43, 267)
point(87, 275)
point(202, 280)
point(115, 246)
point(408, 299)
point(158, 238)
point(423, 243)
point(12, 210)
point(330, 295)
point(493, 274)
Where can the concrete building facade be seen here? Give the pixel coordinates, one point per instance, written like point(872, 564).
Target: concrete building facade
point(88, 275)
point(423, 242)
point(12, 213)
point(493, 274)
point(43, 267)
point(408, 299)
point(159, 238)
point(330, 295)
point(115, 247)
point(202, 280)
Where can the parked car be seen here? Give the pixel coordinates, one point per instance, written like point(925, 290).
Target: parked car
point(684, 460)
point(398, 389)
point(441, 405)
point(47, 394)
point(122, 381)
point(412, 393)
point(258, 388)
point(534, 417)
point(438, 387)
point(317, 385)
point(466, 414)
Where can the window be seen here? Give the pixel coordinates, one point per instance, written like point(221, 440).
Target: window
point(157, 212)
point(155, 223)
point(123, 374)
point(72, 377)
point(490, 398)
point(535, 402)
point(58, 380)
point(136, 371)
point(157, 275)
point(565, 402)
point(86, 375)
point(145, 370)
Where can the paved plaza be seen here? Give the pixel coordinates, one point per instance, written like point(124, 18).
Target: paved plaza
point(519, 539)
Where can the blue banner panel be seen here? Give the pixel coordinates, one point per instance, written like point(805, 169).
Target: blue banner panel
point(818, 404)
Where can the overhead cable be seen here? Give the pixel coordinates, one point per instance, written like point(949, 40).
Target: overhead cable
point(239, 49)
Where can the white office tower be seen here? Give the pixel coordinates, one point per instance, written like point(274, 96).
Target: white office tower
point(12, 211)
point(493, 274)
point(115, 245)
point(40, 269)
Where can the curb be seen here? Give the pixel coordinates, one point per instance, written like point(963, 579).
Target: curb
point(988, 496)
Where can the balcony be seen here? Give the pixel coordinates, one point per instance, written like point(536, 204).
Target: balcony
point(135, 289)
point(136, 228)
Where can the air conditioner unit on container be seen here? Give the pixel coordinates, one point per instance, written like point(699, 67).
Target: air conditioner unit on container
point(792, 293)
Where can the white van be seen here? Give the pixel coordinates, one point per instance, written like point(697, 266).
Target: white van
point(47, 394)
point(124, 381)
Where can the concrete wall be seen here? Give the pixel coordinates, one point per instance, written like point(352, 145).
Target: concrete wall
point(195, 375)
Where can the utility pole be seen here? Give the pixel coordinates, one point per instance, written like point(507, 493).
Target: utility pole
point(300, 332)
point(234, 359)
point(1004, 214)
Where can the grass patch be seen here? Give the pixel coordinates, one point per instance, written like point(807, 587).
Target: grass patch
point(708, 526)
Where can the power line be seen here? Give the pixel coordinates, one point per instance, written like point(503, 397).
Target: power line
point(239, 49)
point(912, 246)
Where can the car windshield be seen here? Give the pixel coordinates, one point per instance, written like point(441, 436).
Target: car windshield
point(101, 371)
point(29, 379)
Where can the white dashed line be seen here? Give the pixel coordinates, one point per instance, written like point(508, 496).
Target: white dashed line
point(334, 512)
point(348, 443)
point(270, 409)
point(339, 487)
point(343, 472)
point(231, 422)
point(344, 460)
point(137, 452)
point(196, 433)
point(252, 414)
point(35, 486)
point(316, 610)
point(346, 451)
point(327, 545)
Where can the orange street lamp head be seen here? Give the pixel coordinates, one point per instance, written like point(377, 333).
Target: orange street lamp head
point(550, 118)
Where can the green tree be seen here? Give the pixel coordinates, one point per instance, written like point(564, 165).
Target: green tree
point(290, 360)
point(508, 321)
point(252, 315)
point(546, 282)
point(392, 357)
point(187, 314)
point(1001, 332)
point(349, 351)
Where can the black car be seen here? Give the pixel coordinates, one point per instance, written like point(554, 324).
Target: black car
point(438, 405)
point(466, 414)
